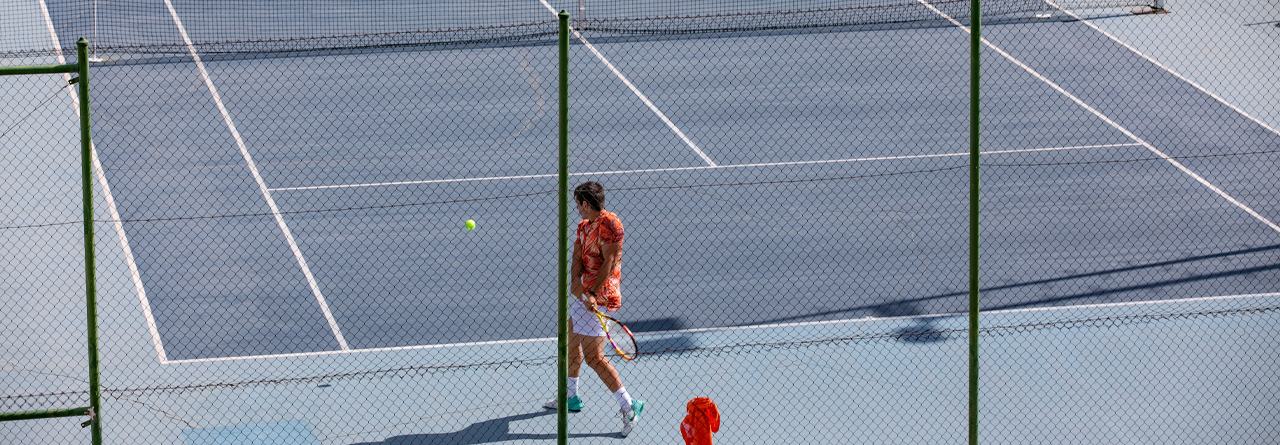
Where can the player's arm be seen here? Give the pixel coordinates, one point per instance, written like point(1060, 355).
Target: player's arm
point(575, 273)
point(612, 252)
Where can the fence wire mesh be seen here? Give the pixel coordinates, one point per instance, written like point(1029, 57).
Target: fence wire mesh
point(44, 366)
point(1135, 268)
point(281, 190)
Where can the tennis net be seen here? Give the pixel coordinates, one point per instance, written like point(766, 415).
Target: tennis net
point(676, 18)
point(146, 27)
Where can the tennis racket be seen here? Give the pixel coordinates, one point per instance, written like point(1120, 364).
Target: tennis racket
point(619, 336)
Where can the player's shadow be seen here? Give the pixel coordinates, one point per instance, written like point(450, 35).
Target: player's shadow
point(923, 329)
point(662, 345)
point(656, 325)
point(489, 431)
point(667, 345)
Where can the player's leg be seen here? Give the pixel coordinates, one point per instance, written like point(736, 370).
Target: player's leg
point(575, 357)
point(593, 348)
point(575, 354)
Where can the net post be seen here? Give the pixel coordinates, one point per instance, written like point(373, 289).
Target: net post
point(562, 277)
point(91, 297)
point(975, 47)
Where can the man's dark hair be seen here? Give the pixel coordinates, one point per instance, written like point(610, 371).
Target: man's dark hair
point(590, 192)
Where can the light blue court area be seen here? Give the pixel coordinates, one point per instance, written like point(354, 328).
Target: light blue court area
point(1044, 373)
point(283, 433)
point(42, 272)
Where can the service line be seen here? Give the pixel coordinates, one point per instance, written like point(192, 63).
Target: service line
point(675, 169)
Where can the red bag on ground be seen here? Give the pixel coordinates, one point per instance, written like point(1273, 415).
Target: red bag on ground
point(703, 419)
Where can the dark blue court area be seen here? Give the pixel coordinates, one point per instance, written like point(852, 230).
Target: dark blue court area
point(295, 204)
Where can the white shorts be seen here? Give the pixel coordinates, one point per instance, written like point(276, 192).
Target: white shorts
point(584, 321)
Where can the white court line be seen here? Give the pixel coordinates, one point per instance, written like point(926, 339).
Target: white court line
point(1161, 65)
point(739, 328)
point(637, 92)
point(397, 348)
point(128, 254)
point(673, 169)
point(266, 193)
point(111, 202)
point(961, 314)
point(1108, 120)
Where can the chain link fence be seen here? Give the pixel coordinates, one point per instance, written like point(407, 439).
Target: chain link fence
point(281, 191)
point(1130, 286)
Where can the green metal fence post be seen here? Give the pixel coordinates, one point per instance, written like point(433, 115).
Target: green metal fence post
point(562, 279)
point(37, 69)
point(975, 46)
point(43, 414)
point(91, 297)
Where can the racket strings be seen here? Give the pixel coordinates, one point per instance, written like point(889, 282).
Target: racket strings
point(622, 340)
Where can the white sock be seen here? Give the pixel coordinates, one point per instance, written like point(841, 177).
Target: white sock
point(623, 399)
point(573, 387)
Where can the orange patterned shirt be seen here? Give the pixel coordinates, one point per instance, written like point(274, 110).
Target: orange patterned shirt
point(592, 236)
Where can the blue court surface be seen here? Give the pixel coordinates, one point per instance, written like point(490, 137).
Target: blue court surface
point(316, 280)
point(320, 295)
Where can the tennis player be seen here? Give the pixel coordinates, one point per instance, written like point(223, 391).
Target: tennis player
point(594, 280)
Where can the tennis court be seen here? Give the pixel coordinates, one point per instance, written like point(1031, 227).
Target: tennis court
point(288, 221)
point(385, 283)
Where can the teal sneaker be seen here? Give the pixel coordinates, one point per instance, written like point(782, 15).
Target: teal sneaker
point(575, 404)
point(629, 421)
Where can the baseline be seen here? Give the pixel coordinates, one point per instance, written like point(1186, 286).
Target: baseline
point(1243, 297)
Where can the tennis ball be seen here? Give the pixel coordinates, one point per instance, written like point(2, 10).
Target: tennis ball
point(471, 225)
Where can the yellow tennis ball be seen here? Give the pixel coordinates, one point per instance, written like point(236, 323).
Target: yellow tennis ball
point(471, 225)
